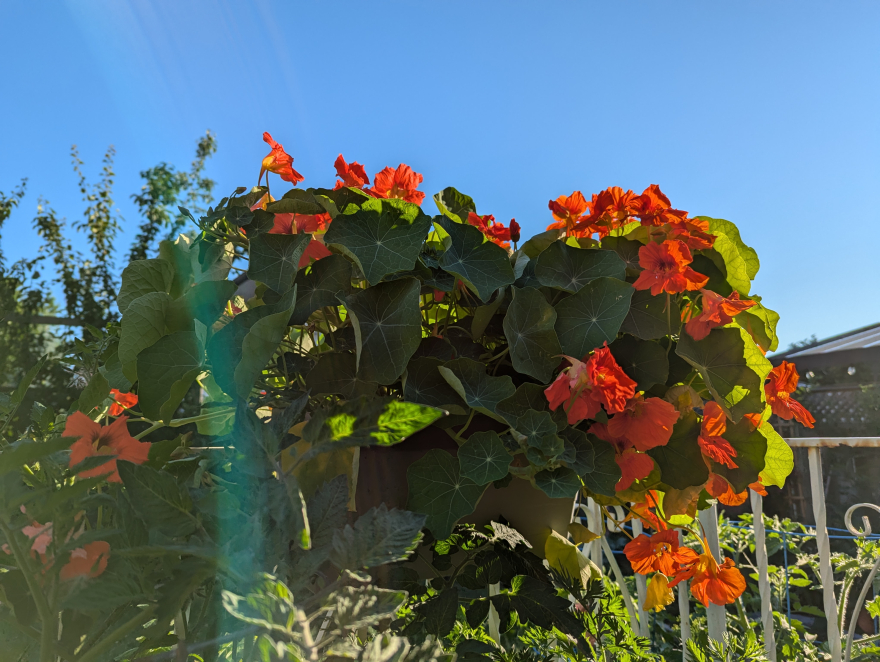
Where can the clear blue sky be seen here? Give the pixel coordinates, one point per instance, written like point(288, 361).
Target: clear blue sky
point(763, 113)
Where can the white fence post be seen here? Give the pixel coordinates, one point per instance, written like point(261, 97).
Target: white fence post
point(763, 580)
point(641, 587)
point(715, 614)
point(826, 573)
point(684, 609)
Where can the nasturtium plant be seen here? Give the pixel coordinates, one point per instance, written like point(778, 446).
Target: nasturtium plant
point(619, 355)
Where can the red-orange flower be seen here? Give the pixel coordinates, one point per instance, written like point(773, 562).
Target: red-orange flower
point(665, 268)
point(496, 232)
point(653, 208)
point(315, 225)
point(611, 385)
point(710, 582)
point(611, 209)
point(572, 389)
point(401, 183)
point(717, 311)
point(122, 402)
point(87, 561)
point(643, 510)
point(718, 488)
point(658, 553)
point(713, 445)
point(352, 174)
point(633, 466)
point(94, 440)
point(693, 232)
point(781, 383)
point(646, 423)
point(568, 210)
point(279, 162)
point(514, 230)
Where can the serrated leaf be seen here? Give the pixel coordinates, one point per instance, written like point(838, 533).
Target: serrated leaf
point(438, 490)
point(165, 372)
point(751, 449)
point(274, 259)
point(741, 261)
point(158, 499)
point(142, 277)
point(387, 327)
point(779, 460)
point(569, 268)
point(483, 458)
point(143, 323)
point(648, 317)
point(378, 537)
point(440, 612)
point(27, 451)
point(529, 329)
point(558, 483)
point(361, 607)
point(480, 391)
point(606, 473)
point(592, 316)
point(732, 367)
point(382, 236)
point(681, 461)
point(454, 204)
point(328, 511)
point(327, 279)
point(336, 374)
point(644, 361)
point(480, 264)
point(537, 603)
point(424, 384)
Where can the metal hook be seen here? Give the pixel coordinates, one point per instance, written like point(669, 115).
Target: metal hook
point(847, 518)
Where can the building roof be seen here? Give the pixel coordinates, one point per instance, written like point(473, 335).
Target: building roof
point(858, 346)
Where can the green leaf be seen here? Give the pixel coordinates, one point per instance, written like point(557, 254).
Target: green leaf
point(274, 259)
point(751, 449)
point(483, 458)
point(558, 483)
point(143, 324)
point(438, 490)
point(382, 236)
point(569, 268)
point(361, 607)
point(203, 302)
point(260, 344)
point(336, 374)
point(680, 461)
point(158, 499)
point(387, 328)
point(296, 201)
point(732, 367)
point(592, 316)
point(440, 612)
point(643, 360)
point(480, 264)
point(529, 396)
point(326, 280)
point(142, 277)
point(627, 250)
point(741, 260)
point(539, 243)
point(760, 323)
point(328, 511)
point(540, 432)
point(454, 204)
point(484, 314)
point(648, 317)
point(26, 451)
point(165, 372)
point(779, 460)
point(606, 473)
point(584, 454)
point(424, 384)
point(537, 603)
point(367, 422)
point(378, 537)
point(529, 329)
point(94, 394)
point(476, 388)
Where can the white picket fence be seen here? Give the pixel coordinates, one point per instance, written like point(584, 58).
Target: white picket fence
point(717, 616)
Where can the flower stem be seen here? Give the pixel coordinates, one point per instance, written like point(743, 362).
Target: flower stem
point(117, 635)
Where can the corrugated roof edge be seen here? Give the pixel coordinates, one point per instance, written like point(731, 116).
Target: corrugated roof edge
point(787, 353)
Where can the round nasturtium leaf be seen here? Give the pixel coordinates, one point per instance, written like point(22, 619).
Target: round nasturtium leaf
point(483, 458)
point(592, 316)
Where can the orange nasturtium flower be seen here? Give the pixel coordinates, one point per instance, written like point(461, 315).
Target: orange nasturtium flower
point(692, 231)
point(279, 162)
point(514, 230)
point(94, 439)
point(87, 561)
point(611, 385)
point(717, 311)
point(568, 211)
point(781, 383)
point(665, 268)
point(401, 183)
point(653, 208)
point(122, 402)
point(713, 445)
point(658, 595)
point(646, 422)
point(315, 225)
point(571, 388)
point(496, 232)
point(711, 582)
point(633, 466)
point(352, 174)
point(658, 553)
